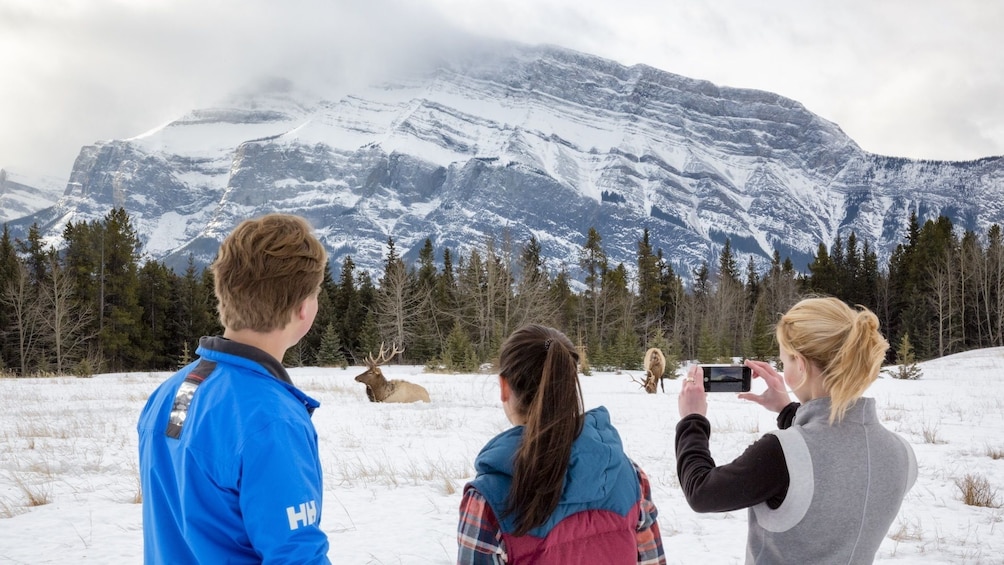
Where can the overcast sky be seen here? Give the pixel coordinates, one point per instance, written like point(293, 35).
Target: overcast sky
point(910, 78)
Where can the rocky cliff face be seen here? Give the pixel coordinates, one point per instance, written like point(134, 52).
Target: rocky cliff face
point(518, 141)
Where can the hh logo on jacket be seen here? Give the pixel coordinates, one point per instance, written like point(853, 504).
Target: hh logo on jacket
point(306, 514)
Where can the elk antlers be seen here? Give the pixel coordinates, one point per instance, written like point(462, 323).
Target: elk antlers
point(383, 356)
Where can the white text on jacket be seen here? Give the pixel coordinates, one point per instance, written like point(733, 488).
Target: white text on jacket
point(307, 514)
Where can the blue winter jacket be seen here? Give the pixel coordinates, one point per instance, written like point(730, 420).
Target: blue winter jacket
point(229, 463)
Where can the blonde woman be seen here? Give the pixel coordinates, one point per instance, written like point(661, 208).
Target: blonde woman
point(827, 485)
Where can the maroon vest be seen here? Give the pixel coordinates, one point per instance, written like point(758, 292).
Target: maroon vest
point(590, 536)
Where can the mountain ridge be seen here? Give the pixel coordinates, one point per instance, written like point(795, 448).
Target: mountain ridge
point(524, 140)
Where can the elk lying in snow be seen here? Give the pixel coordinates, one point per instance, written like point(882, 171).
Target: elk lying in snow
point(379, 389)
point(655, 366)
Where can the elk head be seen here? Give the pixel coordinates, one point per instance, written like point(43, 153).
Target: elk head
point(373, 377)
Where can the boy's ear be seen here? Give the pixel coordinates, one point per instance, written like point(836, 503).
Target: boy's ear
point(301, 310)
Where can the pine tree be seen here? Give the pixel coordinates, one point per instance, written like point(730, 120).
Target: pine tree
point(728, 270)
point(702, 282)
point(728, 310)
point(995, 283)
point(649, 283)
point(919, 316)
point(566, 302)
point(869, 279)
point(908, 368)
point(753, 283)
point(593, 262)
point(823, 273)
point(347, 306)
point(458, 352)
point(531, 263)
point(194, 308)
point(707, 345)
point(369, 335)
point(626, 354)
point(121, 313)
point(325, 316)
point(330, 352)
point(839, 262)
point(10, 266)
point(444, 294)
point(671, 291)
point(426, 342)
point(80, 260)
point(852, 279)
point(159, 313)
point(35, 254)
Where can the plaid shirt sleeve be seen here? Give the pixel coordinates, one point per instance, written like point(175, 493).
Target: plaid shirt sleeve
point(650, 550)
point(478, 535)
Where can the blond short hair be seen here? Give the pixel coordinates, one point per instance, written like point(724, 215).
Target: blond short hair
point(843, 342)
point(265, 268)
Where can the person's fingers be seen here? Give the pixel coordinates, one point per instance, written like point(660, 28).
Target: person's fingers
point(760, 368)
point(691, 399)
point(767, 373)
point(694, 372)
point(758, 398)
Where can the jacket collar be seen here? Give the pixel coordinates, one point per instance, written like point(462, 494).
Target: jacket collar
point(230, 347)
point(862, 411)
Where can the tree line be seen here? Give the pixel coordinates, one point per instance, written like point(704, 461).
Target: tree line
point(95, 305)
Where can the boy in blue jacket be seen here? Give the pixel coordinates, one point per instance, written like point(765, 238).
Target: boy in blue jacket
point(228, 455)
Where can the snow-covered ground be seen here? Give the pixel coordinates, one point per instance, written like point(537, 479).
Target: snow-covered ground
point(394, 473)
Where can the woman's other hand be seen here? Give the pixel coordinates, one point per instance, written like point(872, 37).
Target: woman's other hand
point(775, 398)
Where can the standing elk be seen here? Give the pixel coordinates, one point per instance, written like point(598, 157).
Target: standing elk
point(655, 366)
point(379, 389)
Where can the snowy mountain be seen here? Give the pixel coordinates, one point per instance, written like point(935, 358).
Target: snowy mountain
point(24, 193)
point(518, 141)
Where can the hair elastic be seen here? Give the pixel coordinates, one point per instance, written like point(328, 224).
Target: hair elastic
point(547, 344)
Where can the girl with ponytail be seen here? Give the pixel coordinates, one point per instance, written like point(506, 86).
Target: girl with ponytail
point(827, 485)
point(557, 487)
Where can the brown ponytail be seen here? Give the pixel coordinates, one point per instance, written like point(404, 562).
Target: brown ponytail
point(845, 343)
point(540, 365)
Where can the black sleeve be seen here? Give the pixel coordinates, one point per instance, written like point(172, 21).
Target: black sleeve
point(760, 474)
point(787, 415)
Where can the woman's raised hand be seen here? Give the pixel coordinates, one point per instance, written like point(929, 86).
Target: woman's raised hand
point(775, 398)
point(693, 399)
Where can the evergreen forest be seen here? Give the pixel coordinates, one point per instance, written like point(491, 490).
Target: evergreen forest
point(96, 305)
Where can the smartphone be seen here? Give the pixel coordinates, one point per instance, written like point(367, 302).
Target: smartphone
point(727, 378)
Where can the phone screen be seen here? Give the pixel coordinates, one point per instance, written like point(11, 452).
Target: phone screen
point(727, 378)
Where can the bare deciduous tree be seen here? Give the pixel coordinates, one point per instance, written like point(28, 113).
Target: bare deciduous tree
point(942, 276)
point(21, 299)
point(69, 324)
point(398, 307)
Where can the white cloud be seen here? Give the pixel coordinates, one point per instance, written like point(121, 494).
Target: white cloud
point(915, 79)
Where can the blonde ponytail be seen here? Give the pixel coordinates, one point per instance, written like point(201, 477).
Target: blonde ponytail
point(856, 364)
point(845, 343)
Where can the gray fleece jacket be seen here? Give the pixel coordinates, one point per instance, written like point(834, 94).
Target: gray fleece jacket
point(846, 484)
